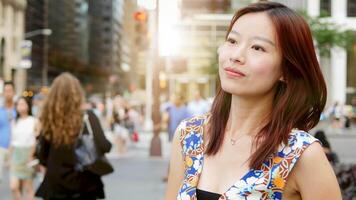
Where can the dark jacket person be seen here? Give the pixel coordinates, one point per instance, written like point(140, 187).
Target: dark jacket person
point(61, 122)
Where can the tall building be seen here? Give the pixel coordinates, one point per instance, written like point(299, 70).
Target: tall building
point(129, 49)
point(86, 38)
point(68, 21)
point(11, 35)
point(105, 30)
point(105, 19)
point(36, 12)
point(340, 68)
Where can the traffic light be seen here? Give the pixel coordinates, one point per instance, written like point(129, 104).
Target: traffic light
point(141, 28)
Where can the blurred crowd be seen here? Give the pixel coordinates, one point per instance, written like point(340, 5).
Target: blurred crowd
point(341, 115)
point(22, 120)
point(122, 120)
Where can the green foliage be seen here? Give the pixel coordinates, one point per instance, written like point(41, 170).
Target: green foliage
point(328, 34)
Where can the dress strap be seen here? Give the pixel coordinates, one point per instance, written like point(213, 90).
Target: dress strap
point(289, 154)
point(191, 139)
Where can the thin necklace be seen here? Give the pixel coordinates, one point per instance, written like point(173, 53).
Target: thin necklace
point(234, 140)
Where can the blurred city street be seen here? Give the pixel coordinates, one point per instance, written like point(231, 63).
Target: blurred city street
point(137, 176)
point(142, 66)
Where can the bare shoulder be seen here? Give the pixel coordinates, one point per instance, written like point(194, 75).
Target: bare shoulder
point(313, 175)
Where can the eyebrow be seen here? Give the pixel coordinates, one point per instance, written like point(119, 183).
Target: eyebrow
point(256, 38)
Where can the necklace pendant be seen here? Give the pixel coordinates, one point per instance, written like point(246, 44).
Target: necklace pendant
point(233, 142)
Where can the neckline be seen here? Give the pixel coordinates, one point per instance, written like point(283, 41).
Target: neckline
point(208, 192)
point(243, 176)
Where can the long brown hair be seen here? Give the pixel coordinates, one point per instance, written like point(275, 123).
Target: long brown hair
point(298, 102)
point(61, 116)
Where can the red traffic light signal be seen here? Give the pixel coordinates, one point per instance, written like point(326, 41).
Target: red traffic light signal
point(140, 16)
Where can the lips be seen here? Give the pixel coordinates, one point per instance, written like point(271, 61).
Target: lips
point(234, 72)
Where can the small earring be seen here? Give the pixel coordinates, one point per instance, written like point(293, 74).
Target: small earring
point(282, 80)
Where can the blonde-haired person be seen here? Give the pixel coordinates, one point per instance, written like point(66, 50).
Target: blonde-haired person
point(61, 121)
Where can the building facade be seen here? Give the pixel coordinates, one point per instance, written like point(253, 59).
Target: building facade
point(340, 68)
point(86, 39)
point(129, 50)
point(68, 21)
point(105, 37)
point(12, 16)
point(36, 19)
point(106, 19)
point(201, 30)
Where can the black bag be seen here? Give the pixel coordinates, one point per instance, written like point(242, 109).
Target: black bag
point(88, 157)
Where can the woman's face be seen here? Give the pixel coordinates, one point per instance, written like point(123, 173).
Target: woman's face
point(250, 60)
point(22, 107)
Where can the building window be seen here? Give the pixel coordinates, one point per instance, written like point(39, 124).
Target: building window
point(204, 28)
point(351, 8)
point(222, 28)
point(107, 18)
point(351, 74)
point(325, 8)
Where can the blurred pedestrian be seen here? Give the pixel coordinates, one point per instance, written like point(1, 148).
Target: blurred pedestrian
point(336, 115)
point(254, 144)
point(37, 103)
point(332, 156)
point(121, 134)
point(176, 112)
point(198, 106)
point(22, 149)
point(61, 123)
point(7, 115)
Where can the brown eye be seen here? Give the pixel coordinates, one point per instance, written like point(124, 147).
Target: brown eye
point(231, 41)
point(258, 48)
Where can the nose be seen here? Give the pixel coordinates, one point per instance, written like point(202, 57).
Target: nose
point(238, 55)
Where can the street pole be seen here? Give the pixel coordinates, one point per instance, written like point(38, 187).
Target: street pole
point(45, 62)
point(45, 48)
point(155, 147)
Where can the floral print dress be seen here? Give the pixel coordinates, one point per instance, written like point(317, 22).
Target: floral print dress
point(264, 183)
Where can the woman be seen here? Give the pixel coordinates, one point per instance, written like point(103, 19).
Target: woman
point(332, 156)
point(23, 139)
point(61, 122)
point(271, 92)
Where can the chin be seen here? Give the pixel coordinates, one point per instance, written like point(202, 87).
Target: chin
point(234, 89)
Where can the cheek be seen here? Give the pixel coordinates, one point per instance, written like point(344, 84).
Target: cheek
point(224, 53)
point(266, 69)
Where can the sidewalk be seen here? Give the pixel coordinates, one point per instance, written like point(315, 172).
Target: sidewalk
point(141, 148)
point(137, 176)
